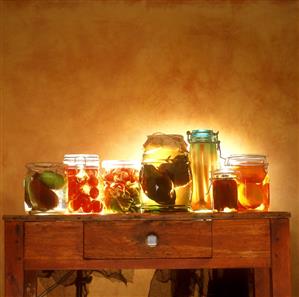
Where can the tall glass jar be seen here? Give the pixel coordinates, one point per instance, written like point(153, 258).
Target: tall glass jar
point(225, 192)
point(165, 174)
point(204, 158)
point(84, 183)
point(45, 188)
point(121, 185)
point(253, 181)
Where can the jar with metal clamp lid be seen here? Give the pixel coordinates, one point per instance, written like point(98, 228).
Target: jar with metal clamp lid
point(253, 181)
point(204, 158)
point(84, 183)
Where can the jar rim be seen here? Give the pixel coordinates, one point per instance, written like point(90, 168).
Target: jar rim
point(121, 164)
point(81, 160)
point(43, 165)
point(246, 160)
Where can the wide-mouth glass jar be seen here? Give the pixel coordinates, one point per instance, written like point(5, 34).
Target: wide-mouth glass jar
point(121, 185)
point(225, 191)
point(165, 174)
point(253, 181)
point(84, 183)
point(45, 188)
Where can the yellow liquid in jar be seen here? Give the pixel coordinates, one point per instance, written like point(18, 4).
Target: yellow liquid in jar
point(204, 159)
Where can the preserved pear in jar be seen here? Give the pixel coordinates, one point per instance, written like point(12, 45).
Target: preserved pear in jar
point(204, 158)
point(121, 185)
point(45, 188)
point(165, 174)
point(84, 183)
point(253, 181)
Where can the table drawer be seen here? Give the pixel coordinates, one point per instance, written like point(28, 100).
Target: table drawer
point(136, 239)
point(53, 240)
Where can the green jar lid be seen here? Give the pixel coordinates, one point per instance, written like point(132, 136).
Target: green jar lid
point(202, 135)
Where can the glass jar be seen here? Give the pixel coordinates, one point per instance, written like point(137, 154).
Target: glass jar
point(121, 185)
point(165, 174)
point(45, 188)
point(253, 181)
point(225, 192)
point(84, 184)
point(204, 158)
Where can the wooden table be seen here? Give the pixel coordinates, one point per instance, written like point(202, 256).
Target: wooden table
point(178, 240)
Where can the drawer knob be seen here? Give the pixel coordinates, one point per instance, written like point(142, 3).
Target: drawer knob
point(152, 240)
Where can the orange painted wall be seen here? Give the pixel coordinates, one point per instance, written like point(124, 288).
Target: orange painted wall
point(98, 76)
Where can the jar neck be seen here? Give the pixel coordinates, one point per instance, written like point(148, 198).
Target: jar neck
point(81, 160)
point(202, 135)
point(246, 160)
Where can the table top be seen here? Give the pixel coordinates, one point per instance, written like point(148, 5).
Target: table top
point(152, 216)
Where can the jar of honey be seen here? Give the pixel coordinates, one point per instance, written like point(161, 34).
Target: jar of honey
point(84, 183)
point(45, 188)
point(121, 185)
point(165, 174)
point(225, 192)
point(253, 181)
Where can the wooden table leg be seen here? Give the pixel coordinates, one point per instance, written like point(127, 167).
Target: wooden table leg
point(14, 270)
point(281, 258)
point(30, 283)
point(262, 281)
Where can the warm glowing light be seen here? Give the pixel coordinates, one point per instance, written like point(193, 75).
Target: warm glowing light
point(227, 209)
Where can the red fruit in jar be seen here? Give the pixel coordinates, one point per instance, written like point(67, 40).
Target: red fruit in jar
point(94, 193)
point(96, 205)
point(109, 177)
point(72, 172)
point(75, 204)
point(83, 197)
point(93, 181)
point(91, 172)
point(73, 188)
point(86, 205)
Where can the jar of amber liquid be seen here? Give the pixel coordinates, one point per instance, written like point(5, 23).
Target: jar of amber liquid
point(253, 181)
point(84, 186)
point(45, 188)
point(225, 192)
point(121, 185)
point(165, 174)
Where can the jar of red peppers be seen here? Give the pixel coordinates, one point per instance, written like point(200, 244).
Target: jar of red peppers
point(84, 186)
point(121, 185)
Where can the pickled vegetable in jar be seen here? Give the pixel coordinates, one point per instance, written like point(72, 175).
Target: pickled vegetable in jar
point(121, 185)
point(165, 174)
point(253, 181)
point(84, 183)
point(204, 158)
point(45, 188)
point(225, 192)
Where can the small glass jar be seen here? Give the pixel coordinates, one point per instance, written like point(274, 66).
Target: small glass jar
point(225, 192)
point(253, 181)
point(165, 175)
point(121, 185)
point(45, 188)
point(84, 183)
